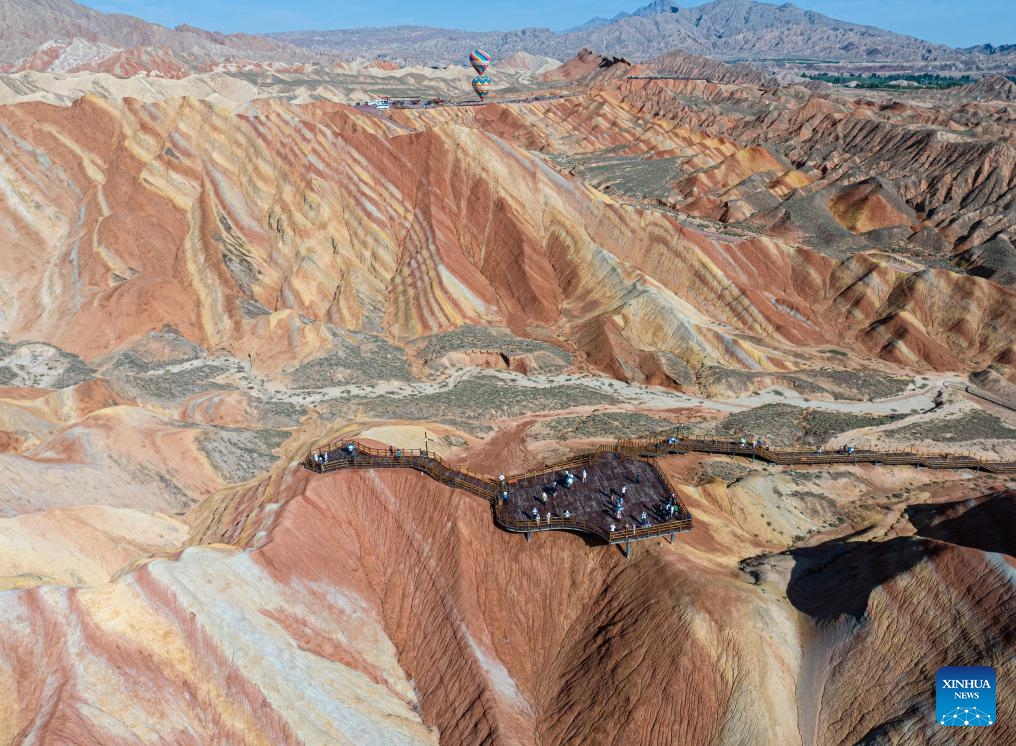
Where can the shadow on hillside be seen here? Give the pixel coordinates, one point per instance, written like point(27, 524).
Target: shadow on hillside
point(838, 577)
point(987, 523)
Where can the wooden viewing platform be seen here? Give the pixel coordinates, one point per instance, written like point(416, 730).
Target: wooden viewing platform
point(651, 507)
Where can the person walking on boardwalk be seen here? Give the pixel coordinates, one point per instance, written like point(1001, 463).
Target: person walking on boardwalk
point(583, 475)
point(624, 490)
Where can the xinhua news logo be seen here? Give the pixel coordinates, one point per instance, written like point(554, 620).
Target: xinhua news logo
point(965, 695)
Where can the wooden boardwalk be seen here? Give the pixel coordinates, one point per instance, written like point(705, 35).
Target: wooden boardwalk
point(560, 498)
point(806, 457)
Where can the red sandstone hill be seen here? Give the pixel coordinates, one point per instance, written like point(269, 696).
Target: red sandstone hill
point(588, 66)
point(680, 64)
point(947, 160)
point(411, 618)
point(988, 88)
point(412, 232)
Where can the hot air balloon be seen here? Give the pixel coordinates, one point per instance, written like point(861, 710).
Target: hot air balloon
point(481, 84)
point(479, 60)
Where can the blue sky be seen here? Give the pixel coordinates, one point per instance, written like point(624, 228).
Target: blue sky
point(946, 21)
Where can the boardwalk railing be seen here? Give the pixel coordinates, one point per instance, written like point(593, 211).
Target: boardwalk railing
point(802, 457)
point(584, 460)
point(351, 454)
point(338, 456)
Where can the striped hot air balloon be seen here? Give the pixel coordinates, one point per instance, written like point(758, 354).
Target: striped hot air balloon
point(479, 60)
point(481, 84)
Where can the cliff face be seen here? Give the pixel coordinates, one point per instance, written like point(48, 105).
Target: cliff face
point(397, 601)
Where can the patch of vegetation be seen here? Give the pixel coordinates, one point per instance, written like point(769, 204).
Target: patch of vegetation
point(780, 424)
point(786, 425)
point(168, 385)
point(238, 454)
point(41, 364)
point(475, 400)
point(877, 80)
point(839, 384)
point(354, 358)
point(75, 371)
point(279, 413)
point(973, 425)
point(635, 176)
point(606, 425)
point(821, 425)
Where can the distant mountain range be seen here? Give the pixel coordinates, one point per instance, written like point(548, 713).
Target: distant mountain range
point(64, 36)
point(724, 29)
